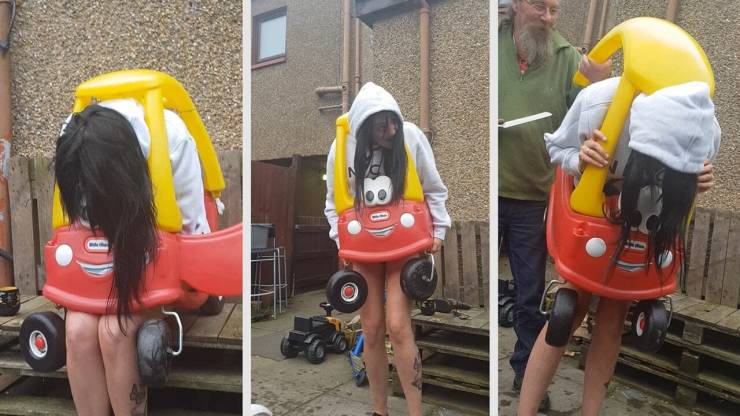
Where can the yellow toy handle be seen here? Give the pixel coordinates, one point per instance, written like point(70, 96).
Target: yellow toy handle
point(342, 198)
point(155, 91)
point(657, 54)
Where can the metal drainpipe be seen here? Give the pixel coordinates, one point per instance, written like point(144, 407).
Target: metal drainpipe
point(424, 83)
point(602, 21)
point(589, 31)
point(7, 17)
point(346, 5)
point(671, 10)
point(358, 51)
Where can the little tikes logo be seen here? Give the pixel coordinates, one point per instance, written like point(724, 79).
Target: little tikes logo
point(380, 216)
point(96, 245)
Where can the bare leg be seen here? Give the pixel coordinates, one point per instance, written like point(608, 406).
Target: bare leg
point(127, 393)
point(405, 352)
point(602, 355)
point(85, 369)
point(373, 329)
point(544, 360)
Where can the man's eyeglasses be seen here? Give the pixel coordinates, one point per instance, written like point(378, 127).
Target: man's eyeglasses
point(540, 8)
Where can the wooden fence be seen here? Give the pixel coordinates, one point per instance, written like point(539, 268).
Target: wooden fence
point(31, 183)
point(463, 264)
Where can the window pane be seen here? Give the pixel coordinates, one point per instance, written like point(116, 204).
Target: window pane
point(272, 37)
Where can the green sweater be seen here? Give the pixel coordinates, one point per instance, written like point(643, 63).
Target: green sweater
point(524, 169)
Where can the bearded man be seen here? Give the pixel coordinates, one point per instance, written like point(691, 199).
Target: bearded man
point(535, 71)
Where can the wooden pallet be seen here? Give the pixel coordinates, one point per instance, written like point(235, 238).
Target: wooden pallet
point(222, 331)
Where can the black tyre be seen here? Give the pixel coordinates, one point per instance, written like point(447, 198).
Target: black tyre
point(346, 291)
point(339, 343)
point(418, 280)
point(649, 325)
point(152, 349)
point(42, 341)
point(561, 317)
point(316, 351)
point(213, 306)
point(506, 312)
point(287, 348)
point(361, 378)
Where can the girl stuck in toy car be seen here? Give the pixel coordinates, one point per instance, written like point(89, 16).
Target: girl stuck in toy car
point(131, 233)
point(385, 203)
point(661, 161)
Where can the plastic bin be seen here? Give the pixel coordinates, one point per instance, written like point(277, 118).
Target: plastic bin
point(261, 235)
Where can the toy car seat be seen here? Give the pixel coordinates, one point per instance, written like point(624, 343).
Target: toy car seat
point(379, 232)
point(657, 54)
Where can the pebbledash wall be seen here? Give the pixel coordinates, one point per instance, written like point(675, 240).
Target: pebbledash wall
point(56, 45)
point(713, 25)
point(459, 94)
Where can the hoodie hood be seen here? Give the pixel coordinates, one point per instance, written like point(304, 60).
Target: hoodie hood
point(677, 126)
point(370, 100)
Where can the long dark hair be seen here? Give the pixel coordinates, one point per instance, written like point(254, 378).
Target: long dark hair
point(393, 159)
point(677, 193)
point(103, 179)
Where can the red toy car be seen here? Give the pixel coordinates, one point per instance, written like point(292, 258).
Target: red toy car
point(380, 232)
point(190, 271)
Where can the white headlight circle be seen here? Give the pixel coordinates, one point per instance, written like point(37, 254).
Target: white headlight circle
point(63, 255)
point(354, 227)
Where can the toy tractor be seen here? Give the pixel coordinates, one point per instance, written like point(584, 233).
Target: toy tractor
point(313, 335)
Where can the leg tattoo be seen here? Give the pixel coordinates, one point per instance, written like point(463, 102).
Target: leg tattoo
point(138, 397)
point(417, 370)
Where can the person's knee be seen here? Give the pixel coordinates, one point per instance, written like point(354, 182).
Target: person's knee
point(111, 336)
point(399, 330)
point(81, 333)
point(374, 332)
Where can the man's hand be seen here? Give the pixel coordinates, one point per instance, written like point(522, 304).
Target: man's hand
point(592, 153)
point(436, 245)
point(705, 179)
point(593, 71)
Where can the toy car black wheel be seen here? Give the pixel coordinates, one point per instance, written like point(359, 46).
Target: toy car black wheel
point(346, 291)
point(152, 349)
point(361, 378)
point(42, 341)
point(649, 325)
point(316, 352)
point(213, 306)
point(561, 317)
point(287, 348)
point(506, 312)
point(339, 343)
point(418, 280)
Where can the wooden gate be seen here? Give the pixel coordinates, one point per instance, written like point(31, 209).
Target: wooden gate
point(314, 254)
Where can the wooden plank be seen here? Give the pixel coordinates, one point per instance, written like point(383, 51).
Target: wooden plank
point(699, 241)
point(232, 331)
point(451, 343)
point(452, 274)
point(439, 267)
point(37, 406)
point(21, 212)
point(683, 302)
point(717, 257)
point(42, 191)
point(731, 281)
point(207, 328)
point(485, 258)
point(231, 167)
point(479, 318)
point(7, 322)
point(469, 291)
point(723, 354)
point(707, 313)
point(731, 322)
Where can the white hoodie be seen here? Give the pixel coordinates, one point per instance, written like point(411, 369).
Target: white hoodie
point(370, 100)
point(186, 171)
point(675, 125)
